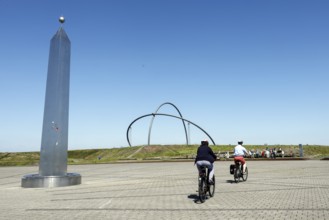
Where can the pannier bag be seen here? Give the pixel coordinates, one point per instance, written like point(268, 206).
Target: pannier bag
point(232, 167)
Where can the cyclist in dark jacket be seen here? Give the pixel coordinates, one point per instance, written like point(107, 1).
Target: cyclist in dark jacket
point(205, 157)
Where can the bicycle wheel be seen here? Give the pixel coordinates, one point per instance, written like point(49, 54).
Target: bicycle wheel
point(202, 189)
point(212, 187)
point(245, 175)
point(237, 174)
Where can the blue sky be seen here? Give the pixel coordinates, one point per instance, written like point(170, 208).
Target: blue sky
point(244, 69)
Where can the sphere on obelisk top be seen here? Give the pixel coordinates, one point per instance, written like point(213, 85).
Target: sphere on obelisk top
point(61, 19)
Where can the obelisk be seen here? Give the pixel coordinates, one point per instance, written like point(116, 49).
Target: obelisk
point(54, 141)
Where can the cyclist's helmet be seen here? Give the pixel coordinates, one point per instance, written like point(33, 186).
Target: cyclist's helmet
point(240, 142)
point(205, 142)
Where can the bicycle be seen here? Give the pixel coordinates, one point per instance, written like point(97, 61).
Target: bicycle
point(204, 185)
point(238, 172)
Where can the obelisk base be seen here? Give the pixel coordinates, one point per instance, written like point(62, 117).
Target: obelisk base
point(37, 181)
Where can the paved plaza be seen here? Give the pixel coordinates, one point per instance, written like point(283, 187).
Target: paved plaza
point(168, 190)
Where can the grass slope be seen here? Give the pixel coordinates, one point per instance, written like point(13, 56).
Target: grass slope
point(154, 152)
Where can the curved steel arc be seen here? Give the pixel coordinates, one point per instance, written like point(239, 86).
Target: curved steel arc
point(153, 114)
point(151, 124)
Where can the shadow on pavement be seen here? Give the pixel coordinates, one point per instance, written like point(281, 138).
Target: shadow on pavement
point(195, 198)
point(230, 181)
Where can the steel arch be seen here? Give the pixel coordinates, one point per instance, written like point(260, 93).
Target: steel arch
point(151, 124)
point(153, 114)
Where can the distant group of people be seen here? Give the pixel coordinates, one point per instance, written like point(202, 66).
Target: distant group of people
point(267, 153)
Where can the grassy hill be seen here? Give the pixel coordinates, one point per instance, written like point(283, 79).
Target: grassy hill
point(154, 152)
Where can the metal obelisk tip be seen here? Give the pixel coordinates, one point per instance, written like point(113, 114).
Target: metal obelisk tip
point(61, 19)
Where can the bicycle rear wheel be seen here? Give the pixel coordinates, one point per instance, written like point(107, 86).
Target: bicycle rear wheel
point(237, 174)
point(212, 187)
point(202, 189)
point(245, 175)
